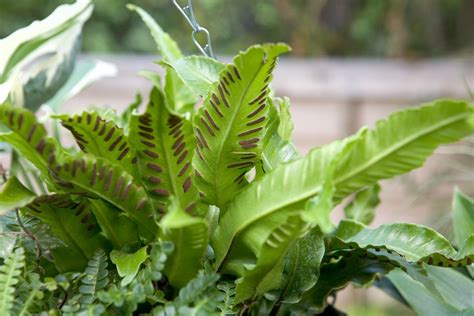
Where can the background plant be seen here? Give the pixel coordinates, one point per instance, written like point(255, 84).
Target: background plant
point(205, 207)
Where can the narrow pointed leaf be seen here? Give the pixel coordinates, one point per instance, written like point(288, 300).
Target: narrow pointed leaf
point(190, 237)
point(164, 146)
point(14, 195)
point(230, 125)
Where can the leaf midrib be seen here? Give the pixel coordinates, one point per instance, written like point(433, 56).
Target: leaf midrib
point(440, 125)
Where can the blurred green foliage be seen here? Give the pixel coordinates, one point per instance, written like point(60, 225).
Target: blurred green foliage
point(394, 28)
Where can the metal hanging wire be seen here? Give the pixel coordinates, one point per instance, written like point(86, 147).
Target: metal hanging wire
point(188, 13)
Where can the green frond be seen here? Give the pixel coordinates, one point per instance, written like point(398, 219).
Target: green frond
point(101, 138)
point(165, 146)
point(230, 125)
point(10, 273)
point(94, 280)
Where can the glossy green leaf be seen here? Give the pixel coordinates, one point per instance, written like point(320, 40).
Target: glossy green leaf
point(99, 179)
point(14, 195)
point(102, 138)
point(285, 126)
point(190, 237)
point(266, 273)
point(10, 276)
point(302, 264)
point(128, 264)
point(198, 72)
point(116, 226)
point(362, 207)
point(231, 123)
point(463, 217)
point(399, 139)
point(164, 145)
point(74, 224)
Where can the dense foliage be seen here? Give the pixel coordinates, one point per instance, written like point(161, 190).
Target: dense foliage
point(198, 203)
point(312, 27)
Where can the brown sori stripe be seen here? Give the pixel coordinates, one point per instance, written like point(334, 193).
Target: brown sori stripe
point(145, 128)
point(260, 108)
point(225, 80)
point(201, 136)
point(184, 169)
point(182, 157)
point(223, 97)
point(108, 181)
point(146, 135)
point(124, 144)
point(102, 130)
point(240, 164)
point(190, 207)
point(154, 179)
point(216, 108)
point(91, 227)
point(115, 143)
point(81, 208)
point(134, 160)
point(215, 98)
point(177, 142)
point(255, 130)
point(88, 118)
point(123, 153)
point(229, 75)
point(20, 120)
point(207, 127)
point(40, 146)
point(211, 120)
point(148, 144)
point(259, 120)
point(187, 184)
point(259, 97)
point(162, 192)
point(198, 151)
point(118, 186)
point(144, 120)
point(102, 172)
point(96, 125)
point(179, 149)
point(267, 79)
point(250, 141)
point(127, 189)
point(150, 153)
point(240, 177)
point(83, 165)
point(85, 219)
point(79, 119)
point(10, 118)
point(75, 164)
point(225, 89)
point(31, 132)
point(236, 71)
point(34, 209)
point(154, 167)
point(176, 128)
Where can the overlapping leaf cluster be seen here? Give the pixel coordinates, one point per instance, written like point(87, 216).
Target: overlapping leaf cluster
point(199, 202)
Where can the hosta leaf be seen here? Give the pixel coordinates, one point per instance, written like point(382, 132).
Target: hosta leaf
point(402, 142)
point(110, 219)
point(198, 72)
point(230, 125)
point(128, 264)
point(190, 237)
point(36, 60)
point(27, 136)
point(100, 179)
point(164, 146)
point(74, 224)
point(180, 99)
point(362, 206)
point(266, 274)
point(295, 182)
point(302, 264)
point(14, 195)
point(102, 139)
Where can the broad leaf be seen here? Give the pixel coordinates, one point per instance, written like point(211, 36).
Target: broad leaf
point(410, 131)
point(74, 224)
point(266, 273)
point(164, 145)
point(98, 178)
point(302, 264)
point(14, 195)
point(128, 264)
point(230, 125)
point(198, 72)
point(102, 139)
point(190, 237)
point(36, 60)
point(362, 207)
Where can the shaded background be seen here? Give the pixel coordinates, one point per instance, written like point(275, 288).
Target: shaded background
point(389, 28)
point(353, 62)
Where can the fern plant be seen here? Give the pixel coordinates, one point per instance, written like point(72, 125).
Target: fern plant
point(199, 203)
